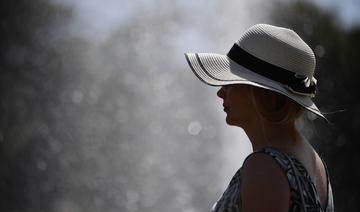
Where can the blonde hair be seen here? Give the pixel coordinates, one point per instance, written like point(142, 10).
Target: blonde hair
point(274, 107)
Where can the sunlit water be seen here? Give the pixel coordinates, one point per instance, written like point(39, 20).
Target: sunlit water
point(134, 129)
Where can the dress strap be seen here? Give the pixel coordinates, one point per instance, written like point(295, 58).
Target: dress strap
point(300, 187)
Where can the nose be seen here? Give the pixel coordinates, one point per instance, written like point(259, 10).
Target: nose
point(221, 93)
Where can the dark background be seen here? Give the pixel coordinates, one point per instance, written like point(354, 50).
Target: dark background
point(337, 54)
point(75, 139)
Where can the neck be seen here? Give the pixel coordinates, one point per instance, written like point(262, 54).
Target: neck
point(281, 136)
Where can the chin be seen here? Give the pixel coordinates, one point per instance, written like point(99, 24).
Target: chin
point(230, 121)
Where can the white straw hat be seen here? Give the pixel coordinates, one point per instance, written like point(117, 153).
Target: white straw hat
point(265, 56)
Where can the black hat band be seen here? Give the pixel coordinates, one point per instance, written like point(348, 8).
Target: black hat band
point(296, 83)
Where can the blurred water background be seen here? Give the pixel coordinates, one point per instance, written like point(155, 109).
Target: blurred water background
point(100, 112)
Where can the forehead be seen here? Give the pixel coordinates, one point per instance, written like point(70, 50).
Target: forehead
point(236, 86)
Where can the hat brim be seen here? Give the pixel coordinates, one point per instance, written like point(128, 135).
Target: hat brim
point(217, 70)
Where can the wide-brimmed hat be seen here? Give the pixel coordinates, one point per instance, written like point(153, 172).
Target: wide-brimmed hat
point(265, 56)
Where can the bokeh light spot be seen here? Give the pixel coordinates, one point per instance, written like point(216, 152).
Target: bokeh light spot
point(77, 97)
point(194, 128)
point(319, 51)
point(132, 201)
point(41, 165)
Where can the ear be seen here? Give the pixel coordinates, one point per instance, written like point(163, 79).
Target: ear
point(265, 100)
point(271, 106)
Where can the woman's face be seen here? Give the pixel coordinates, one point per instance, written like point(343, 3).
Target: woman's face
point(237, 104)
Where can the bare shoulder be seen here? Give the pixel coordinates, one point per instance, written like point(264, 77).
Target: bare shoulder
point(264, 186)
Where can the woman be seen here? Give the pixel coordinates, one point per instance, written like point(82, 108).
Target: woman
point(267, 83)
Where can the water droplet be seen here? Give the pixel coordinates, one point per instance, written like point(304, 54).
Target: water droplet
point(41, 165)
point(67, 206)
point(44, 129)
point(99, 202)
point(94, 93)
point(132, 201)
point(77, 97)
point(319, 51)
point(122, 116)
point(308, 29)
point(155, 128)
point(55, 146)
point(122, 101)
point(194, 128)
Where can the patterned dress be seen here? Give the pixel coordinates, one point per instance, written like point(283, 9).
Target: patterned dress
point(230, 201)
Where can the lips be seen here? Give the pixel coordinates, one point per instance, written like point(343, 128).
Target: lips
point(225, 107)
